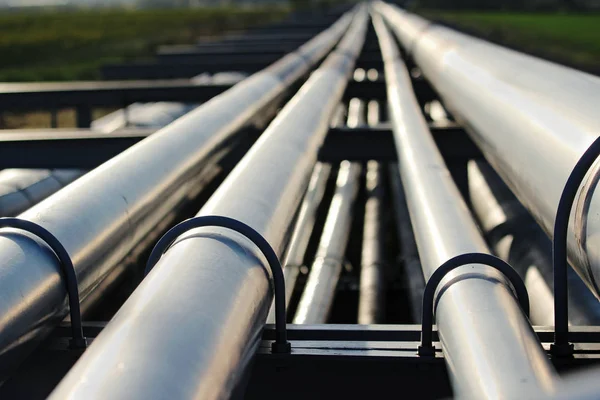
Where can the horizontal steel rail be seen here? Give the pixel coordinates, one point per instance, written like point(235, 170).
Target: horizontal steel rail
point(47, 96)
point(475, 305)
point(113, 209)
point(212, 285)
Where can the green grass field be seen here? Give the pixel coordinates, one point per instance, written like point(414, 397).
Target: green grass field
point(572, 39)
point(72, 45)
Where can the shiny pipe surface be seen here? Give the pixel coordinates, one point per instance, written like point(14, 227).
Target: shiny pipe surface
point(517, 238)
point(105, 214)
point(319, 292)
point(532, 119)
point(475, 305)
point(192, 326)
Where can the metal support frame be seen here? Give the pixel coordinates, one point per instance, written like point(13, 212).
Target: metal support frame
point(86, 149)
point(365, 361)
point(85, 95)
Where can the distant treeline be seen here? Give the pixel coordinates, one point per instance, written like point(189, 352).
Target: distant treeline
point(508, 5)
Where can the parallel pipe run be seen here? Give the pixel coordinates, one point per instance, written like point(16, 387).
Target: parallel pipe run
point(319, 292)
point(193, 325)
point(102, 217)
point(533, 122)
point(474, 305)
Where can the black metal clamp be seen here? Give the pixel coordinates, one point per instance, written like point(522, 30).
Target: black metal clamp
point(78, 341)
point(426, 349)
point(281, 344)
point(561, 346)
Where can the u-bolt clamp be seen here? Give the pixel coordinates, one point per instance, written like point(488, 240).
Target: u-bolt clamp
point(426, 349)
point(281, 344)
point(561, 346)
point(78, 341)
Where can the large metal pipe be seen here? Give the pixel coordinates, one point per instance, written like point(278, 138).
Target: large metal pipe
point(103, 216)
point(531, 118)
point(192, 326)
point(517, 238)
point(475, 305)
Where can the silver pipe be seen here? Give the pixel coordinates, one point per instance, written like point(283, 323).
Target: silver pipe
point(317, 298)
point(518, 239)
point(109, 211)
point(192, 326)
point(475, 305)
point(531, 118)
point(371, 300)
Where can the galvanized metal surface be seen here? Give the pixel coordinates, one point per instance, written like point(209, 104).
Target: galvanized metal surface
point(213, 284)
point(475, 305)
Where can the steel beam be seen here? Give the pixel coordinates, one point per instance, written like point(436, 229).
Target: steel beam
point(113, 209)
point(533, 122)
point(47, 96)
point(64, 148)
point(475, 305)
point(184, 69)
point(212, 283)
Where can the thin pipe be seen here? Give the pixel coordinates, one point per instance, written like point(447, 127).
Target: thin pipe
point(319, 292)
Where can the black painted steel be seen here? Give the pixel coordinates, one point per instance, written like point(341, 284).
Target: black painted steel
point(561, 346)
